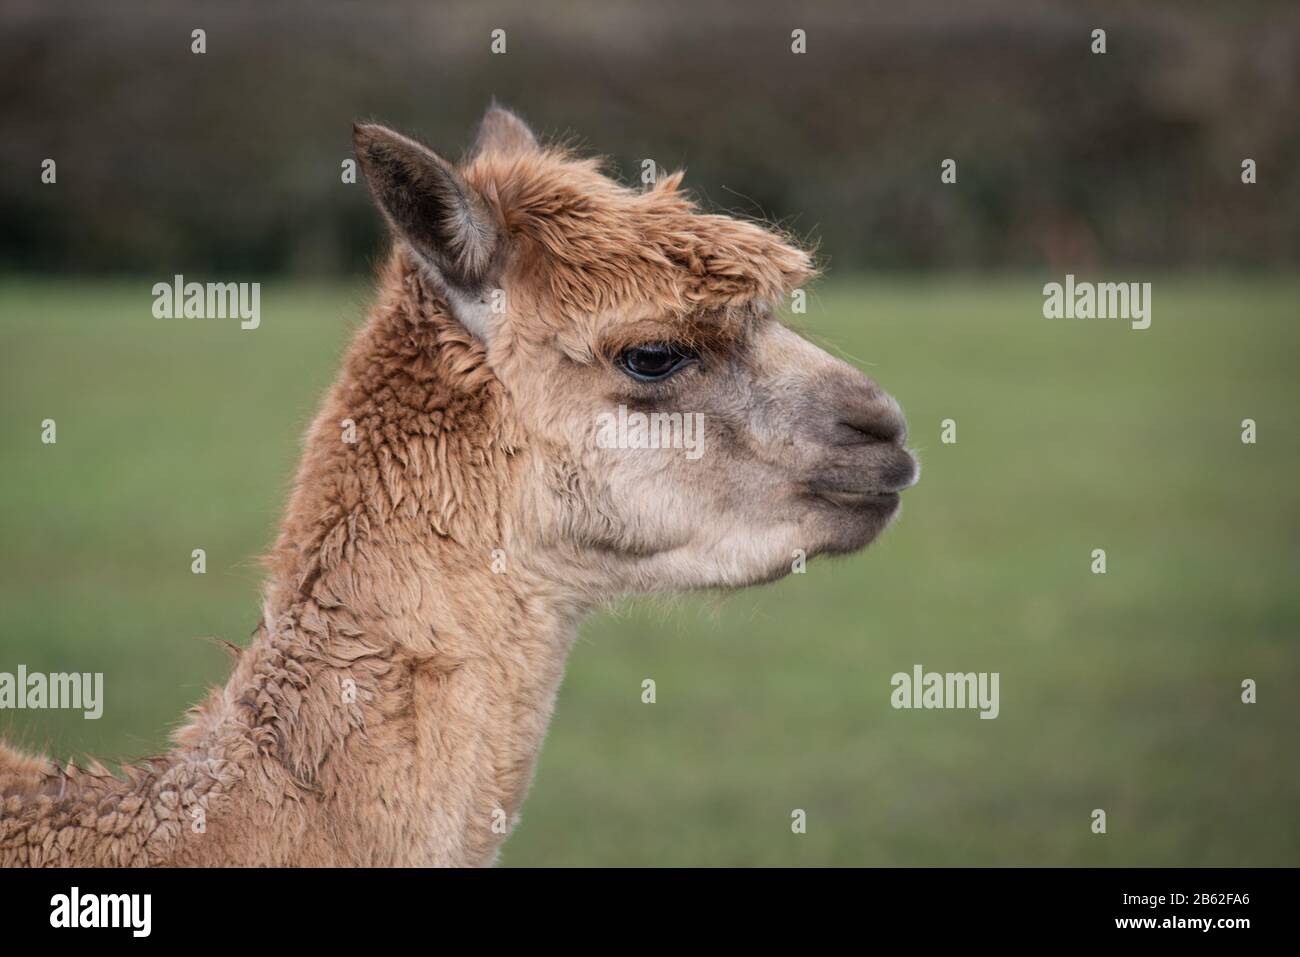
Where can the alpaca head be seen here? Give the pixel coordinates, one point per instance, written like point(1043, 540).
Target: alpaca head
point(675, 433)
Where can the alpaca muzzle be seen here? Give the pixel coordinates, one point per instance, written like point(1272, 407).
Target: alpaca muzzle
point(866, 462)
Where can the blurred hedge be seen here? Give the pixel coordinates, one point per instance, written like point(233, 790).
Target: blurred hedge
point(230, 161)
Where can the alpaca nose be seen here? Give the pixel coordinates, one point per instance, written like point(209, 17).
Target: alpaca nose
point(878, 419)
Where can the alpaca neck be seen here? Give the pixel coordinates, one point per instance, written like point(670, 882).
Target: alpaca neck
point(420, 754)
point(398, 692)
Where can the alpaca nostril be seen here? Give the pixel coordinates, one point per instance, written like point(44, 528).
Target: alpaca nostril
point(865, 430)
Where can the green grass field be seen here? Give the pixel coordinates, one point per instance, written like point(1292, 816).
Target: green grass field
point(1118, 691)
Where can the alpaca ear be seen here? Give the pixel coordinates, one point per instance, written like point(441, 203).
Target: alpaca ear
point(429, 205)
point(504, 133)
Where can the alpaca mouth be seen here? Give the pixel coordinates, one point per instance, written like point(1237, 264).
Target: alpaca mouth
point(851, 519)
point(853, 499)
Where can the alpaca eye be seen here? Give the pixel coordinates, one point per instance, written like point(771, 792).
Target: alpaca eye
point(651, 363)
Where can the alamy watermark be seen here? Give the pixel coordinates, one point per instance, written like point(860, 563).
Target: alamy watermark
point(213, 300)
point(130, 911)
point(81, 691)
point(1098, 300)
point(651, 430)
point(957, 690)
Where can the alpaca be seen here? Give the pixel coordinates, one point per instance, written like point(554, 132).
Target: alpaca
point(432, 568)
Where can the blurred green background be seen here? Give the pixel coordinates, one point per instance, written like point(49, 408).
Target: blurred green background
point(1119, 691)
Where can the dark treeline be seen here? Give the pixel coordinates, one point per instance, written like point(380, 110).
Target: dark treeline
point(230, 160)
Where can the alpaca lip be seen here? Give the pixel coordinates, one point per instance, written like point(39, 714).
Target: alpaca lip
point(844, 498)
